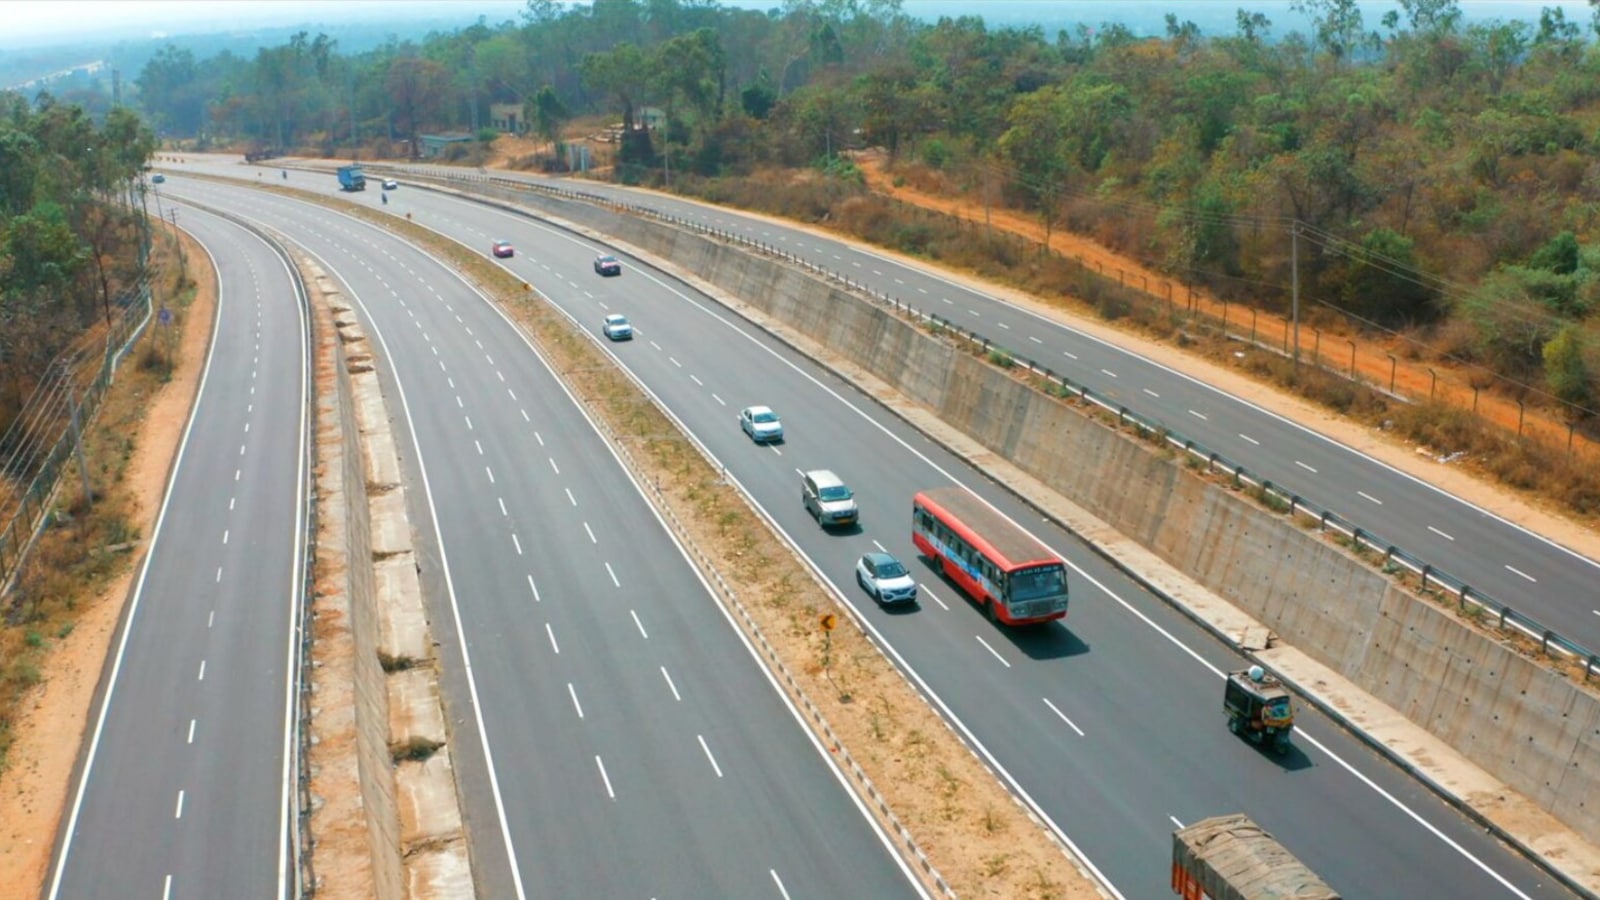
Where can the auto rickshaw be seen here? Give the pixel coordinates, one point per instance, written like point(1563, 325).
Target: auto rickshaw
point(1259, 708)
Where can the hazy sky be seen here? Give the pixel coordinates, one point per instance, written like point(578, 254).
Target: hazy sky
point(27, 21)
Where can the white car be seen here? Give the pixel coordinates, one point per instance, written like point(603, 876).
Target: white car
point(390, 184)
point(618, 328)
point(886, 579)
point(761, 424)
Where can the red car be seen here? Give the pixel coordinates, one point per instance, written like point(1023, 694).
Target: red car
point(503, 249)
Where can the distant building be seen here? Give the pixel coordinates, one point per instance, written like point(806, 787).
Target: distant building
point(434, 144)
point(507, 117)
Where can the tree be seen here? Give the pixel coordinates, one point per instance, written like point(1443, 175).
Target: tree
point(1038, 143)
point(624, 74)
point(415, 87)
point(549, 114)
point(1565, 369)
point(1380, 282)
point(1336, 23)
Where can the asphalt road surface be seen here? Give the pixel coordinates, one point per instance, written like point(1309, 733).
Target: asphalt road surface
point(625, 742)
point(184, 785)
point(1110, 723)
point(1526, 571)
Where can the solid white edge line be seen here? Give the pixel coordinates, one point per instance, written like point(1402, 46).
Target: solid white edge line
point(822, 752)
point(449, 583)
point(133, 607)
point(1280, 419)
point(296, 585)
point(719, 315)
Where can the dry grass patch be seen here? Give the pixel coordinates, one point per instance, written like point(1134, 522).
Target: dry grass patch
point(969, 826)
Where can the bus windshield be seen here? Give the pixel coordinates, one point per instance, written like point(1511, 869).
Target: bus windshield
point(1038, 582)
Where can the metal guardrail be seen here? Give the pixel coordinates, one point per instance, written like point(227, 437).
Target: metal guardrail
point(1470, 600)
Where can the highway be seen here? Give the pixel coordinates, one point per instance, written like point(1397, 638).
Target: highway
point(1110, 724)
point(1528, 572)
point(616, 737)
point(184, 788)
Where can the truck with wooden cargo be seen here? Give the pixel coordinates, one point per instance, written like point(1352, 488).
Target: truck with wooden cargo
point(1232, 858)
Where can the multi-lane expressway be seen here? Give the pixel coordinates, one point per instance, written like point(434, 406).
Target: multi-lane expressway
point(615, 736)
point(1110, 725)
point(1533, 575)
point(185, 781)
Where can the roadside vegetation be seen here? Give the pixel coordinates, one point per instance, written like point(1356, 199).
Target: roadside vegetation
point(87, 546)
point(1437, 169)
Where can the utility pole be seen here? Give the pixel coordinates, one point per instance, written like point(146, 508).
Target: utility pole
point(77, 443)
point(355, 140)
point(472, 98)
point(1294, 305)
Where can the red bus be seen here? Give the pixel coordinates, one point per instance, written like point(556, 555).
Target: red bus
point(1011, 575)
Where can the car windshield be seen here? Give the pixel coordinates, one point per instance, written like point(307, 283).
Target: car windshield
point(764, 417)
point(890, 568)
point(837, 492)
point(617, 320)
point(607, 260)
point(1040, 581)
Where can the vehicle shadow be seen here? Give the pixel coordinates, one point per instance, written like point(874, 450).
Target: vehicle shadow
point(850, 530)
point(1294, 760)
point(1050, 640)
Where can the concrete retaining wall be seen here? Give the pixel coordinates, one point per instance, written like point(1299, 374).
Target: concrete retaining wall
point(405, 719)
point(1535, 731)
point(371, 694)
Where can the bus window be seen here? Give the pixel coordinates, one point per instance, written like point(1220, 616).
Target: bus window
point(1041, 581)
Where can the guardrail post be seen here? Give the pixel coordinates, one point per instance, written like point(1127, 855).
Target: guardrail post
point(1427, 570)
point(1294, 502)
point(1544, 643)
point(1504, 611)
point(1465, 590)
point(1322, 520)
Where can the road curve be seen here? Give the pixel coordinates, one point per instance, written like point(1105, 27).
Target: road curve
point(1532, 574)
point(629, 745)
point(184, 785)
point(1111, 723)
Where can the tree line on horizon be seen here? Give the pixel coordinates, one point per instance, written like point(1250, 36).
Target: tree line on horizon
point(1439, 174)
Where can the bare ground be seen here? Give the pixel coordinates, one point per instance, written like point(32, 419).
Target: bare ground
point(35, 784)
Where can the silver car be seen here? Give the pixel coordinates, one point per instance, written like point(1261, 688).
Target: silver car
point(886, 579)
point(618, 328)
point(761, 424)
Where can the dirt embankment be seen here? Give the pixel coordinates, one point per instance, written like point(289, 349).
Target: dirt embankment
point(149, 415)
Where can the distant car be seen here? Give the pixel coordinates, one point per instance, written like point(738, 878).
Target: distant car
point(503, 249)
point(761, 424)
point(390, 184)
point(607, 265)
point(618, 328)
point(158, 178)
point(886, 579)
